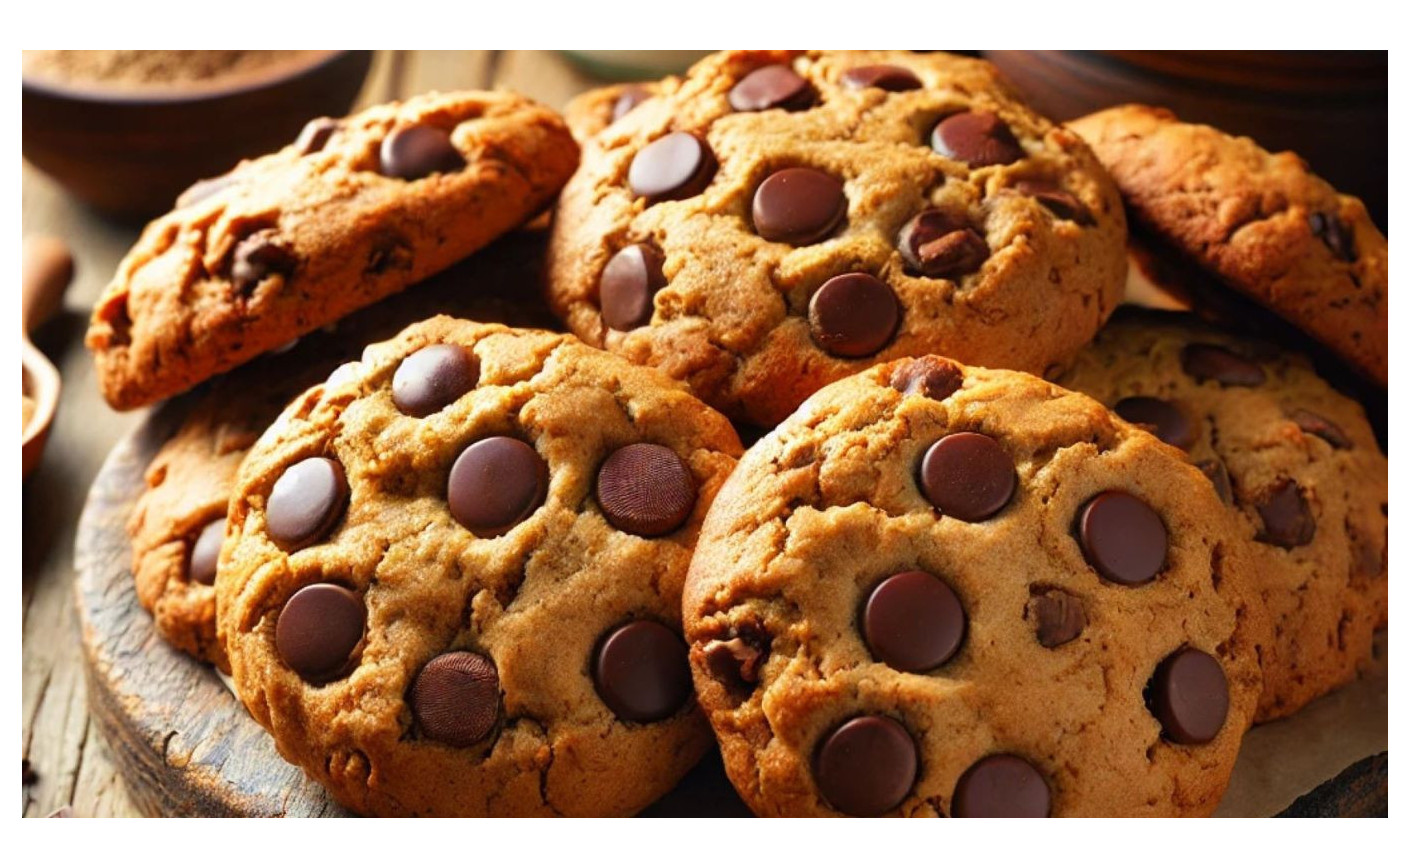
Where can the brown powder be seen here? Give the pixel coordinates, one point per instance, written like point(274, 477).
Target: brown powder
point(156, 70)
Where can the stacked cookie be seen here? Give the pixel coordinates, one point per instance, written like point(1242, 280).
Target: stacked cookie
point(486, 569)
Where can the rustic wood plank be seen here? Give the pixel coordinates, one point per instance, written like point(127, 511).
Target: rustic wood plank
point(542, 75)
point(445, 70)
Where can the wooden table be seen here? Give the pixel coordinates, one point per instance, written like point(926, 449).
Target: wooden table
point(71, 763)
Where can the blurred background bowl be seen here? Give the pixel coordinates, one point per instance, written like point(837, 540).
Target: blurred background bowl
point(129, 152)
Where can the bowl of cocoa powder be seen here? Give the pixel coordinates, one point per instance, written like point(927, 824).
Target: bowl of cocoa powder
point(126, 131)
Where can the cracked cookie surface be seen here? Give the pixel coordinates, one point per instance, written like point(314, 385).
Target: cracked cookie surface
point(944, 590)
point(429, 598)
point(1297, 465)
point(702, 232)
point(1262, 223)
point(355, 210)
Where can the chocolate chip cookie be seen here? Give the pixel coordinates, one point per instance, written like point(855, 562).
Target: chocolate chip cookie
point(177, 523)
point(355, 210)
point(940, 590)
point(1295, 462)
point(1263, 224)
point(452, 578)
point(779, 220)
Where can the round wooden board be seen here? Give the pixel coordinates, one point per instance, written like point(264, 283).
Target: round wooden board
point(184, 744)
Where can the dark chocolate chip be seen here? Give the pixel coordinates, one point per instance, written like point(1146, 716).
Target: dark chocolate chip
point(1287, 517)
point(799, 206)
point(1057, 616)
point(735, 662)
point(929, 376)
point(306, 502)
point(205, 552)
point(976, 138)
point(204, 189)
point(967, 476)
point(1189, 695)
point(432, 377)
point(853, 315)
point(883, 76)
point(866, 766)
point(630, 97)
point(641, 672)
point(645, 489)
point(913, 621)
point(318, 630)
point(315, 135)
point(1321, 426)
point(1122, 537)
point(1224, 366)
point(495, 484)
point(676, 166)
point(1061, 203)
point(1218, 477)
point(769, 87)
point(1002, 785)
point(344, 373)
point(456, 698)
point(1335, 234)
point(414, 152)
point(258, 256)
point(1162, 418)
point(627, 290)
point(937, 244)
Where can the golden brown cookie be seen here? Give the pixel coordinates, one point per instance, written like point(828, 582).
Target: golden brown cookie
point(452, 582)
point(945, 590)
point(1296, 463)
point(355, 210)
point(1261, 223)
point(784, 219)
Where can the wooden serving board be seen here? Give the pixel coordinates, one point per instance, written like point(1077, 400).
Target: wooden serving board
point(185, 746)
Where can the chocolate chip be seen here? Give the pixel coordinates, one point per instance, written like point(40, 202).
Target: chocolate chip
point(630, 97)
point(495, 484)
point(913, 621)
point(205, 552)
point(1001, 785)
point(306, 501)
point(1287, 517)
point(884, 76)
point(1189, 695)
point(929, 376)
point(627, 290)
point(432, 377)
point(676, 166)
point(1224, 366)
point(318, 630)
point(735, 662)
point(258, 256)
point(641, 672)
point(204, 189)
point(937, 244)
point(315, 135)
point(414, 152)
point(798, 206)
point(967, 476)
point(1122, 537)
point(1218, 477)
point(866, 766)
point(1061, 203)
point(977, 138)
point(1057, 616)
point(344, 373)
point(853, 315)
point(1335, 234)
point(1162, 418)
point(645, 489)
point(28, 775)
point(1321, 426)
point(456, 698)
point(769, 87)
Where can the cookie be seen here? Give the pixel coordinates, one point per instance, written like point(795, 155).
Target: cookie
point(1262, 224)
point(355, 210)
point(940, 590)
point(780, 220)
point(452, 581)
point(1295, 462)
